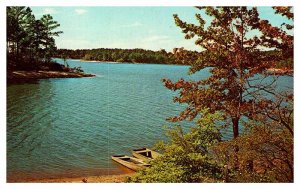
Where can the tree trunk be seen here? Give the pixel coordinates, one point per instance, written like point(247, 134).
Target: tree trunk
point(235, 123)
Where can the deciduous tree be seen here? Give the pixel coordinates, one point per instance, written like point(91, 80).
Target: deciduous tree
point(232, 42)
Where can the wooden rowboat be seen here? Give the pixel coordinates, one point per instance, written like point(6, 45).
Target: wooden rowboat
point(130, 162)
point(145, 154)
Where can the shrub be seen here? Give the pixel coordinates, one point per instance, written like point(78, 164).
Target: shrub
point(187, 157)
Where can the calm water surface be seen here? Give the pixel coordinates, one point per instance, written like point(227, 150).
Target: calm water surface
point(70, 127)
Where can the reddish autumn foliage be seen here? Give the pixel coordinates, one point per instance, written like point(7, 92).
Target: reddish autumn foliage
point(233, 43)
point(234, 57)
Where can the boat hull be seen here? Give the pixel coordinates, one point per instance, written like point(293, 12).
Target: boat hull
point(130, 162)
point(145, 154)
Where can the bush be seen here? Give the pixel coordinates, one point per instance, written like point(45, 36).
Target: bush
point(187, 157)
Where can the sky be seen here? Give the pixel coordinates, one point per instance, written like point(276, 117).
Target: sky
point(150, 28)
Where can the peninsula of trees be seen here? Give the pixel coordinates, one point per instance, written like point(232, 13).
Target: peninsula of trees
point(31, 46)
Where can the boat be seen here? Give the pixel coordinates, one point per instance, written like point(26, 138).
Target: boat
point(145, 154)
point(130, 162)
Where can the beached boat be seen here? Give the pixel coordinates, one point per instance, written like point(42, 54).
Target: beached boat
point(130, 162)
point(145, 154)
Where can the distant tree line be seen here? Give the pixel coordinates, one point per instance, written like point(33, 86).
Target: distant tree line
point(30, 41)
point(121, 55)
point(179, 56)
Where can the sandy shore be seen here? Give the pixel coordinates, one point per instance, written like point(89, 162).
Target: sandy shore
point(89, 179)
point(98, 61)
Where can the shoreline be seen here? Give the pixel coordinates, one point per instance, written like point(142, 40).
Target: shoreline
point(23, 76)
point(97, 61)
point(119, 178)
point(142, 63)
point(275, 71)
point(112, 62)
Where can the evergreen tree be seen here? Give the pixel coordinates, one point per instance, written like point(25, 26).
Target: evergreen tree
point(49, 26)
point(29, 41)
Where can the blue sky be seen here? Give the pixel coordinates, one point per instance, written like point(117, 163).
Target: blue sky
point(127, 27)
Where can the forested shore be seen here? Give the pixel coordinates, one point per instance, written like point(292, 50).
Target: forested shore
point(281, 65)
point(127, 55)
point(31, 47)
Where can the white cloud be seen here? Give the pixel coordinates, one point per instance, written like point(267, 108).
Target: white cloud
point(48, 11)
point(80, 11)
point(135, 24)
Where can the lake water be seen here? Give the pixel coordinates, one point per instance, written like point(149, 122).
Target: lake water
point(70, 127)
